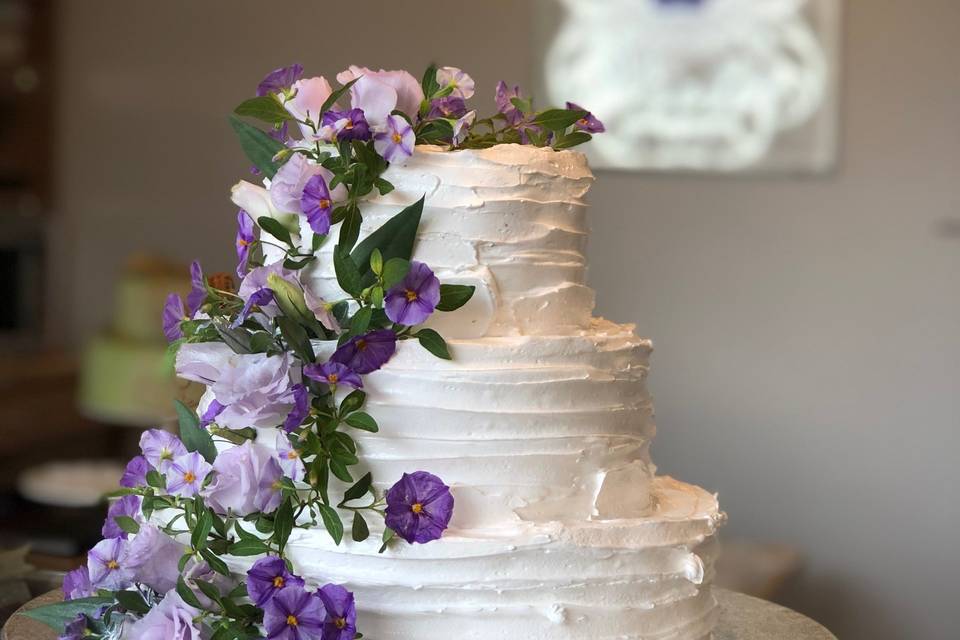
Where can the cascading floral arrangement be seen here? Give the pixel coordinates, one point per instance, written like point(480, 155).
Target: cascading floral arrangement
point(187, 504)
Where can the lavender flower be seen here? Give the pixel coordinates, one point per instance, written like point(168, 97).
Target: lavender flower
point(413, 299)
point(128, 506)
point(172, 619)
point(311, 93)
point(266, 577)
point(245, 238)
point(317, 204)
point(247, 481)
point(367, 353)
point(135, 473)
point(301, 408)
point(151, 558)
point(210, 414)
point(341, 613)
point(505, 106)
point(589, 122)
point(419, 507)
point(76, 584)
point(447, 107)
point(185, 475)
point(160, 447)
point(286, 187)
point(333, 373)
point(76, 629)
point(461, 128)
point(380, 92)
point(293, 614)
point(259, 298)
point(289, 457)
point(347, 125)
point(198, 291)
point(322, 311)
point(258, 278)
point(396, 142)
point(458, 79)
point(255, 389)
point(279, 80)
point(106, 564)
point(173, 314)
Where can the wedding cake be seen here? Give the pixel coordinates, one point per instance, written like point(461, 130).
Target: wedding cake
point(413, 426)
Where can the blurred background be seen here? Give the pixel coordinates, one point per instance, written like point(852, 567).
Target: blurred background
point(781, 213)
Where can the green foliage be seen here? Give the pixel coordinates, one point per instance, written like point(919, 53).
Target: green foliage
point(265, 108)
point(194, 438)
point(57, 615)
point(434, 343)
point(454, 296)
point(258, 146)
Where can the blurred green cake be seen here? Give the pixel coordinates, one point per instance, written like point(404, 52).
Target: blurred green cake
point(124, 377)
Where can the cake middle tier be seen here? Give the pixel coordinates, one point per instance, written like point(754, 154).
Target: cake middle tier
point(539, 428)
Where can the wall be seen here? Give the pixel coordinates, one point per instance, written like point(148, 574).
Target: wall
point(807, 360)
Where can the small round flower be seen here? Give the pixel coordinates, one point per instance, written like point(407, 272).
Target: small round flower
point(367, 353)
point(173, 314)
point(186, 474)
point(419, 507)
point(396, 142)
point(413, 300)
point(160, 447)
point(128, 506)
point(293, 614)
point(341, 613)
point(301, 408)
point(317, 204)
point(450, 107)
point(280, 79)
point(106, 564)
point(289, 457)
point(135, 474)
point(462, 83)
point(504, 96)
point(266, 577)
point(589, 122)
point(347, 125)
point(333, 373)
point(76, 584)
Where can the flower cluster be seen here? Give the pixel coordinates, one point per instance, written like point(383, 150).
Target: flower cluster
point(283, 356)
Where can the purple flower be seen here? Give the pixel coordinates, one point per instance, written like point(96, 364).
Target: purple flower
point(317, 204)
point(259, 298)
point(415, 297)
point(341, 619)
point(266, 577)
point(198, 290)
point(449, 107)
point(505, 105)
point(107, 565)
point(258, 278)
point(322, 311)
point(76, 629)
point(126, 506)
point(286, 187)
point(185, 475)
point(210, 414)
point(419, 507)
point(396, 142)
point(244, 239)
point(160, 447)
point(347, 125)
point(461, 128)
point(172, 619)
point(301, 408)
point(135, 474)
point(152, 558)
point(380, 92)
point(458, 79)
point(247, 481)
point(76, 584)
point(367, 353)
point(279, 79)
point(589, 122)
point(289, 457)
point(333, 373)
point(173, 314)
point(293, 614)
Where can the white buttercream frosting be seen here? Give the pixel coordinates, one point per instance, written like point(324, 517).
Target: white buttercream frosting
point(541, 425)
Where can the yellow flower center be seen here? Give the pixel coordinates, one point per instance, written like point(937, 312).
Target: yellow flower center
point(349, 125)
point(278, 582)
point(113, 564)
point(332, 378)
point(411, 295)
point(583, 121)
point(292, 620)
point(397, 138)
point(166, 454)
point(242, 243)
point(188, 477)
point(293, 454)
point(417, 507)
point(324, 203)
point(361, 345)
point(340, 623)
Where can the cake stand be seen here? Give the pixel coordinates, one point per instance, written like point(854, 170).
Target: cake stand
point(742, 617)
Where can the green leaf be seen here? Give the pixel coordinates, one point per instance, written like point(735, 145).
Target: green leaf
point(350, 229)
point(359, 532)
point(289, 298)
point(296, 337)
point(187, 593)
point(359, 489)
point(348, 274)
point(236, 338)
point(127, 523)
point(258, 146)
point(352, 402)
point(376, 261)
point(261, 342)
point(132, 601)
point(215, 563)
point(395, 238)
point(329, 102)
point(248, 547)
point(331, 520)
point(558, 119)
point(194, 438)
point(265, 108)
point(198, 537)
point(361, 321)
point(57, 615)
point(235, 436)
point(388, 535)
point(435, 131)
point(429, 82)
point(276, 229)
point(363, 421)
point(454, 296)
point(383, 186)
point(394, 271)
point(339, 469)
point(434, 343)
point(283, 524)
point(320, 478)
point(208, 590)
point(572, 139)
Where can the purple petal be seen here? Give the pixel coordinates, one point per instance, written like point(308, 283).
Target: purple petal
point(279, 79)
point(317, 204)
point(367, 353)
point(301, 408)
point(210, 414)
point(333, 373)
point(135, 475)
point(259, 298)
point(245, 238)
point(198, 292)
point(173, 315)
point(126, 506)
point(419, 507)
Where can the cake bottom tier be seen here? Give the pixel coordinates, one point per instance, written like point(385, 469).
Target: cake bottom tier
point(645, 578)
